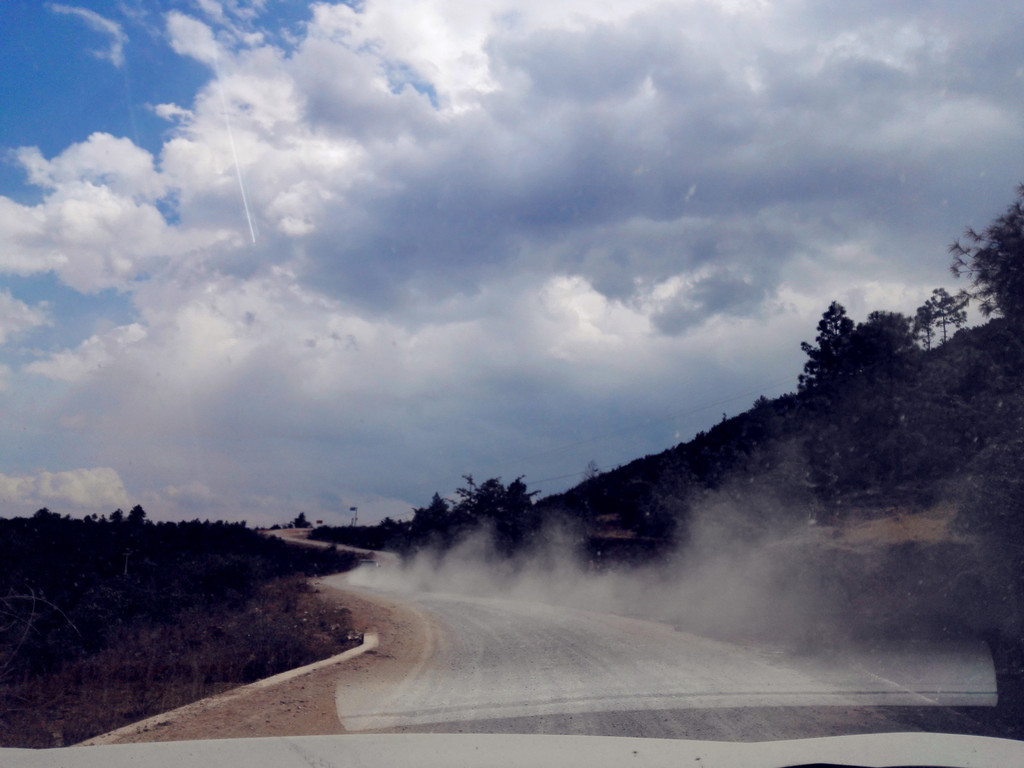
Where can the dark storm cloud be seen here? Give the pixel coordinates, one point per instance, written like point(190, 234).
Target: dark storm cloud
point(337, 83)
point(686, 116)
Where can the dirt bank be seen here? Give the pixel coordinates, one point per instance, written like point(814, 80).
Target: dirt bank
point(304, 705)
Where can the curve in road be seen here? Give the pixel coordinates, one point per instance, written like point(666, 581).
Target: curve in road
point(501, 660)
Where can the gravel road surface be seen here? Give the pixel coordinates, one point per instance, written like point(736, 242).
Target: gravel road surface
point(452, 664)
point(499, 666)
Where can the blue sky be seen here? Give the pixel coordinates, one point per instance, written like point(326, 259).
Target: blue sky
point(266, 257)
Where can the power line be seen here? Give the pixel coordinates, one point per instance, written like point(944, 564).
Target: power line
point(640, 425)
point(649, 422)
point(560, 477)
point(668, 417)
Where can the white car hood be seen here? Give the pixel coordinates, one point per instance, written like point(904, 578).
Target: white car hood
point(502, 751)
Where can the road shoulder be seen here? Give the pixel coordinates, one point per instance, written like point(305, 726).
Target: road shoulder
point(305, 705)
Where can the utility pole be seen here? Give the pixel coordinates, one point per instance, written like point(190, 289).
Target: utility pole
point(355, 515)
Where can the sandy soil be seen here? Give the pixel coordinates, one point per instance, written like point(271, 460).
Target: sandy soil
point(304, 705)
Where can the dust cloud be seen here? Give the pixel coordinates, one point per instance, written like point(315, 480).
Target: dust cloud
point(779, 580)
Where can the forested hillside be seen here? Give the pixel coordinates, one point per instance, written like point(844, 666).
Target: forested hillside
point(906, 428)
point(105, 620)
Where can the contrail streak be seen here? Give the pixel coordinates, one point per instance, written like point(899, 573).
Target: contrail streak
point(234, 150)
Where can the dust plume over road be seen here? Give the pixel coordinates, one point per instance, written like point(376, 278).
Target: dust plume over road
point(804, 586)
point(545, 644)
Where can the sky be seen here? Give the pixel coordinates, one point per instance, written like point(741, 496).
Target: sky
point(269, 257)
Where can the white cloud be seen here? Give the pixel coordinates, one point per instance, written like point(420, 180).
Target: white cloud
point(17, 316)
point(193, 494)
point(92, 490)
point(93, 237)
point(212, 9)
point(190, 37)
point(90, 356)
point(17, 490)
point(98, 487)
point(101, 160)
point(115, 53)
point(99, 225)
point(583, 325)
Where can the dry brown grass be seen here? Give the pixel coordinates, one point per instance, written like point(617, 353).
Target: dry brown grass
point(932, 526)
point(152, 669)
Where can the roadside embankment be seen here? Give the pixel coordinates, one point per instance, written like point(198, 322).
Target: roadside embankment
point(300, 702)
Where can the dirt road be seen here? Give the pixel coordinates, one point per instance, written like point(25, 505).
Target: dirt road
point(499, 666)
point(456, 664)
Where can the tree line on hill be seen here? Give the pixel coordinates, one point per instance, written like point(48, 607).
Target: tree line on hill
point(506, 512)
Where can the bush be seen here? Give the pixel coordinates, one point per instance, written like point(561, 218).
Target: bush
point(148, 668)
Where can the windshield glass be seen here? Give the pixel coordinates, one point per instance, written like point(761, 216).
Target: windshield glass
point(582, 313)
